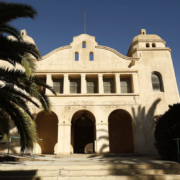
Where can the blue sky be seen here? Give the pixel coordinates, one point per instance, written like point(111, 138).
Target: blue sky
point(114, 23)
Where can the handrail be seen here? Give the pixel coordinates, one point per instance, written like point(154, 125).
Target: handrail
point(9, 144)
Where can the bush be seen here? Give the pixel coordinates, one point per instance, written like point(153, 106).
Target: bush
point(168, 128)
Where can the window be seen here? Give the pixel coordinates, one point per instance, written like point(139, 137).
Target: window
point(147, 45)
point(153, 45)
point(58, 85)
point(157, 82)
point(91, 56)
point(75, 85)
point(41, 88)
point(83, 44)
point(76, 56)
point(108, 84)
point(92, 85)
point(125, 84)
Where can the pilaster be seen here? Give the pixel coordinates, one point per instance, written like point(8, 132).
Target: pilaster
point(117, 80)
point(83, 83)
point(66, 84)
point(64, 138)
point(102, 137)
point(135, 83)
point(100, 83)
point(49, 81)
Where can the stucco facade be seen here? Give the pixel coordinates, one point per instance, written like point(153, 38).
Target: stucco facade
point(122, 122)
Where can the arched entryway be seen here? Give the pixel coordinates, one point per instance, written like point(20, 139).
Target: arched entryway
point(47, 129)
point(121, 135)
point(83, 132)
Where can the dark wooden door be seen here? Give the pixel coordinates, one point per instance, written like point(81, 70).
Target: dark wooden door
point(121, 133)
point(83, 136)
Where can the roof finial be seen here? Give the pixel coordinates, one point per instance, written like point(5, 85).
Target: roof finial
point(84, 22)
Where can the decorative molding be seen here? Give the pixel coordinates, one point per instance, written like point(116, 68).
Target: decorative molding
point(117, 53)
point(56, 50)
point(150, 49)
point(88, 95)
point(101, 124)
point(148, 40)
point(64, 124)
point(87, 71)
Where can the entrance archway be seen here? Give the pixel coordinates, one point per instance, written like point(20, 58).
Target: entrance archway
point(47, 129)
point(83, 132)
point(121, 135)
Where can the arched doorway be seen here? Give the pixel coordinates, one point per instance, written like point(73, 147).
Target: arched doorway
point(83, 132)
point(121, 135)
point(47, 129)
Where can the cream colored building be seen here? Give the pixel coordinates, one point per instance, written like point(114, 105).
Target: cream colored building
point(106, 102)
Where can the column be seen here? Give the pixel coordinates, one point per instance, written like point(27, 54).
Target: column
point(64, 138)
point(102, 137)
point(135, 83)
point(117, 80)
point(100, 83)
point(83, 83)
point(66, 84)
point(49, 81)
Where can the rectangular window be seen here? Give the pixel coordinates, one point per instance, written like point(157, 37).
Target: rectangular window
point(58, 85)
point(108, 84)
point(126, 85)
point(75, 85)
point(92, 85)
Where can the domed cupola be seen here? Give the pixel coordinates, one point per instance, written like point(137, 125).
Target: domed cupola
point(26, 37)
point(145, 42)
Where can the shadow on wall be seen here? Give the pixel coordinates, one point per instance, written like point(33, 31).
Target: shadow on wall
point(144, 125)
point(21, 174)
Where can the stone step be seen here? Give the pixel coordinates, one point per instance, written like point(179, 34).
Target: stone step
point(89, 167)
point(122, 166)
point(140, 177)
point(73, 173)
point(119, 172)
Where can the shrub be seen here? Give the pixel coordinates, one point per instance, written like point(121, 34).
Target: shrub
point(168, 128)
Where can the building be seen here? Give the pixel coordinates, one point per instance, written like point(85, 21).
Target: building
point(106, 102)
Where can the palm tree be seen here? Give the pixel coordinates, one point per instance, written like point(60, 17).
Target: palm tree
point(19, 86)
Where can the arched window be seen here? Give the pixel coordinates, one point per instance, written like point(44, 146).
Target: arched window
point(83, 44)
point(147, 45)
point(91, 56)
point(76, 56)
point(156, 82)
point(153, 45)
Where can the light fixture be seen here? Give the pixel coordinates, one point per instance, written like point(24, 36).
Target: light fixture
point(83, 116)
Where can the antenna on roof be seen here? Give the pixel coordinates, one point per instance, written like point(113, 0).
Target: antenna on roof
point(84, 22)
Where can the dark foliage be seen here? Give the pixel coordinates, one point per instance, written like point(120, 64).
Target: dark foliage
point(166, 130)
point(19, 86)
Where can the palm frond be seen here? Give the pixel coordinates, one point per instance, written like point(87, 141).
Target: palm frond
point(12, 11)
point(6, 28)
point(45, 102)
point(19, 78)
point(13, 51)
point(29, 64)
point(23, 122)
point(8, 89)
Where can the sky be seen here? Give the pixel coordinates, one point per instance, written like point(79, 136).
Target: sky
point(114, 23)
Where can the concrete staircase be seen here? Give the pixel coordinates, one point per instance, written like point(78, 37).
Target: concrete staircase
point(91, 172)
